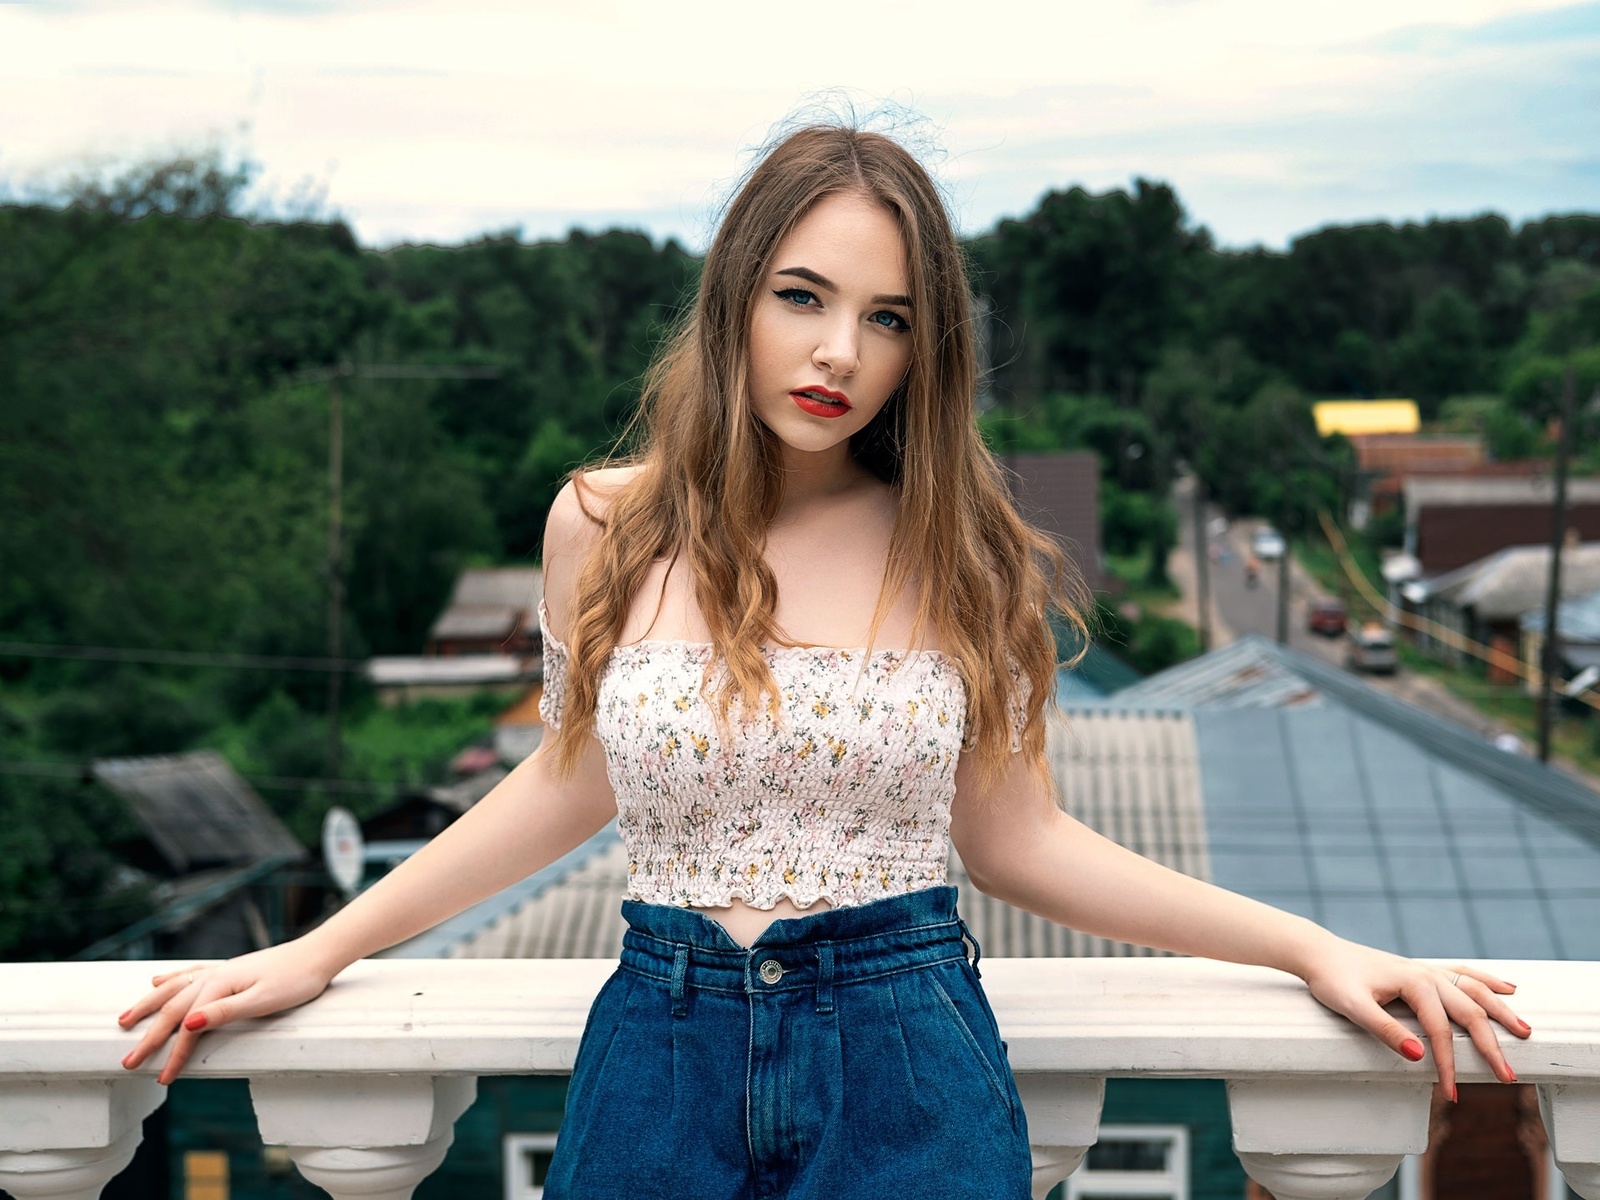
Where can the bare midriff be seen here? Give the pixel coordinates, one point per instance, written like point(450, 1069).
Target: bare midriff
point(745, 924)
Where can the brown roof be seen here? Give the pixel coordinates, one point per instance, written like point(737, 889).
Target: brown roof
point(1060, 494)
point(196, 809)
point(490, 604)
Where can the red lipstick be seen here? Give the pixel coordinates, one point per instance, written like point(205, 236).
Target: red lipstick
point(821, 402)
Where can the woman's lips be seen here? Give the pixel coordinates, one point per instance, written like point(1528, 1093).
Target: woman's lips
point(822, 402)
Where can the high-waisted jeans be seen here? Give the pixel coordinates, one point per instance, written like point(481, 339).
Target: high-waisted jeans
point(849, 1053)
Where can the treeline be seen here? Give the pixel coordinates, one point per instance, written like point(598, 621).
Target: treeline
point(164, 433)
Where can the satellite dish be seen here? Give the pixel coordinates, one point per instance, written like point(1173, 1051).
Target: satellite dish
point(343, 852)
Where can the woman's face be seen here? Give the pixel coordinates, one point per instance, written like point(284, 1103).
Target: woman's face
point(830, 327)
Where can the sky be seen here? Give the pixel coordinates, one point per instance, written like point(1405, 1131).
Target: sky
point(435, 122)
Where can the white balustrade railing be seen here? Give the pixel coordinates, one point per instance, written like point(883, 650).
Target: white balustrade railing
point(364, 1085)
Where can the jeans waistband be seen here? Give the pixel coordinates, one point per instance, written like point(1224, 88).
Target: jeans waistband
point(693, 951)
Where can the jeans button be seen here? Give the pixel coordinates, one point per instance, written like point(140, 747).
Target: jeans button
point(771, 971)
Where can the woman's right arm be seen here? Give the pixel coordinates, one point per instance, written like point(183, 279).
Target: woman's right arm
point(528, 821)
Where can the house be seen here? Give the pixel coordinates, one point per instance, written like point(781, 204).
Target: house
point(223, 853)
point(485, 640)
point(1578, 627)
point(1059, 493)
point(492, 610)
point(1487, 600)
point(1452, 521)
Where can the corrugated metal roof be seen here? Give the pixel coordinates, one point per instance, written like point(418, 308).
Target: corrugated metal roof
point(1240, 673)
point(197, 811)
point(1577, 619)
point(1510, 582)
point(490, 602)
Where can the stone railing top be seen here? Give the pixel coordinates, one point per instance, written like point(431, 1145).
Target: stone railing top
point(1094, 1017)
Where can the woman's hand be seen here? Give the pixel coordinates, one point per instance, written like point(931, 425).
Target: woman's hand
point(1356, 981)
point(205, 997)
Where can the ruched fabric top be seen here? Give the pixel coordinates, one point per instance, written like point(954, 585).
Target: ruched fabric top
point(848, 799)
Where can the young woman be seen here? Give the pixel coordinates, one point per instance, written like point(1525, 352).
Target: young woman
point(797, 644)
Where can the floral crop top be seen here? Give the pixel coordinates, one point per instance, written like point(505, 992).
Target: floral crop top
point(848, 800)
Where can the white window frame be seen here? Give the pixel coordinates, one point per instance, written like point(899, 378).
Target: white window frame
point(514, 1147)
point(1172, 1183)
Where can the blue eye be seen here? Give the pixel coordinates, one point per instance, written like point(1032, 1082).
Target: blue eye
point(894, 321)
point(798, 297)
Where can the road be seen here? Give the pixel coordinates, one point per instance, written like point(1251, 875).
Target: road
point(1238, 609)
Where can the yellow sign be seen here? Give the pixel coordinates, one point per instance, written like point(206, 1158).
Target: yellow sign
point(1354, 417)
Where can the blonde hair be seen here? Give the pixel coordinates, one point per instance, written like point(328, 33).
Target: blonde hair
point(709, 480)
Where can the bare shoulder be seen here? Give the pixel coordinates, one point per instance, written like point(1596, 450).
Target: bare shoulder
point(570, 532)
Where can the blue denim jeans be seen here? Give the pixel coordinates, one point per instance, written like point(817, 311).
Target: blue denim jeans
point(849, 1053)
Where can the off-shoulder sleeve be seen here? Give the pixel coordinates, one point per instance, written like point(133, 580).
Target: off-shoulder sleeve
point(1019, 702)
point(554, 695)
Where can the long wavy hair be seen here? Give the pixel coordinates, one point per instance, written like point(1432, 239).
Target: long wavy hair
point(710, 480)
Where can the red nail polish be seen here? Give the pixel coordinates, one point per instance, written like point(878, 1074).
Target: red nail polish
point(1511, 1073)
point(196, 1020)
point(1453, 1098)
point(1526, 1028)
point(1412, 1049)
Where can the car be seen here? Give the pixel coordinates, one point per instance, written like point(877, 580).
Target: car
point(1267, 544)
point(1326, 617)
point(1371, 649)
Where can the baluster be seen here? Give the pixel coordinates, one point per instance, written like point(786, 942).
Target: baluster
point(1571, 1113)
point(372, 1137)
point(65, 1138)
point(1063, 1122)
point(1326, 1139)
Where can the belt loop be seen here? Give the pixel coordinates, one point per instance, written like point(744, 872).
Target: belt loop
point(977, 953)
point(680, 968)
point(825, 978)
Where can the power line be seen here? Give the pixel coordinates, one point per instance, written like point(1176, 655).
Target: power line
point(178, 658)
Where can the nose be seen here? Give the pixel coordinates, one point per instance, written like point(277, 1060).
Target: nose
point(839, 351)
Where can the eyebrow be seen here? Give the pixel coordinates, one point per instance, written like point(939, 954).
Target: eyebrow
point(822, 281)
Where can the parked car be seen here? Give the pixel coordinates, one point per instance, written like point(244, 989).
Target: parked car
point(1371, 649)
point(1326, 617)
point(1267, 544)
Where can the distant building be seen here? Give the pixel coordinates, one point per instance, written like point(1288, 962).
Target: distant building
point(492, 610)
point(1578, 658)
point(1452, 520)
point(219, 847)
point(1059, 493)
point(1488, 600)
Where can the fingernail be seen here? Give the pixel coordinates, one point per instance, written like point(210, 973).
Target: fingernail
point(1412, 1049)
point(125, 1060)
point(195, 1020)
point(1453, 1099)
point(1526, 1028)
point(1512, 1074)
point(124, 1016)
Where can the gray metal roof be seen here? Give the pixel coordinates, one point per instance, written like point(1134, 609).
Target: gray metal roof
point(1510, 582)
point(490, 602)
point(1424, 490)
point(1577, 619)
point(197, 811)
point(1238, 673)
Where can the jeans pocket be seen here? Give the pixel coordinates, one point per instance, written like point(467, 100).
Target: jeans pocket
point(975, 1043)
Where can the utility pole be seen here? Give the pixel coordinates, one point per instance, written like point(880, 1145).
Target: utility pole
point(1550, 656)
point(1202, 558)
point(331, 375)
point(335, 565)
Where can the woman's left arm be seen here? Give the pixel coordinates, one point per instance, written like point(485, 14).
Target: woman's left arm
point(1020, 847)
